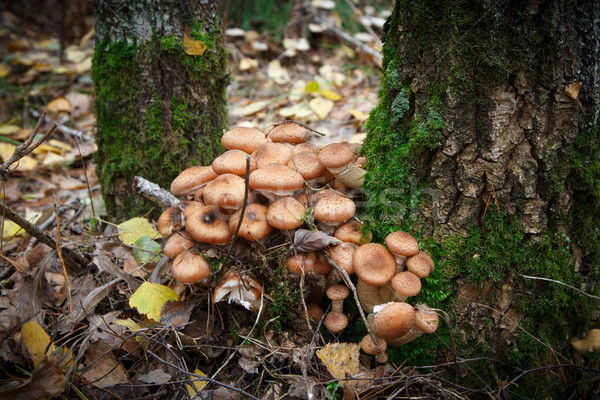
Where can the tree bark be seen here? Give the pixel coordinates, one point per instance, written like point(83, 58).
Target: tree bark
point(160, 109)
point(475, 143)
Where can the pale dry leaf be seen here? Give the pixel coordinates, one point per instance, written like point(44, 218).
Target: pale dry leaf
point(321, 107)
point(105, 370)
point(341, 359)
point(156, 376)
point(306, 240)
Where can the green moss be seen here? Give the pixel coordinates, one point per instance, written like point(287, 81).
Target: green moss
point(172, 133)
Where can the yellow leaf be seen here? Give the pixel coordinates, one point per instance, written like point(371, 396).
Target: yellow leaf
point(11, 229)
point(312, 87)
point(4, 70)
point(9, 129)
point(36, 340)
point(248, 63)
point(130, 231)
point(322, 107)
point(26, 163)
point(359, 115)
point(341, 359)
point(331, 95)
point(199, 384)
point(191, 46)
point(59, 104)
point(573, 90)
point(150, 297)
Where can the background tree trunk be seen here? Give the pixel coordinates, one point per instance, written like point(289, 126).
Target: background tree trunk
point(159, 109)
point(476, 144)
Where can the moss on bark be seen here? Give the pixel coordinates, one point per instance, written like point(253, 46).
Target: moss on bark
point(448, 65)
point(159, 111)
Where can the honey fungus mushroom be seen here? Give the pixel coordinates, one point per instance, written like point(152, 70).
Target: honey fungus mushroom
point(226, 192)
point(331, 210)
point(243, 138)
point(402, 245)
point(276, 180)
point(285, 214)
point(426, 321)
point(190, 267)
point(191, 179)
point(254, 225)
point(204, 226)
point(287, 131)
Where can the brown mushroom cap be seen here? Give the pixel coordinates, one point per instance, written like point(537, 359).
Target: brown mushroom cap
point(232, 162)
point(176, 244)
point(368, 345)
point(226, 191)
point(374, 264)
point(342, 255)
point(426, 321)
point(352, 231)
point(173, 218)
point(308, 262)
point(204, 226)
point(277, 179)
point(394, 320)
point(335, 156)
point(285, 213)
point(406, 284)
point(307, 164)
point(273, 153)
point(254, 225)
point(290, 132)
point(190, 267)
point(335, 321)
point(243, 138)
point(191, 179)
point(337, 292)
point(315, 311)
point(334, 209)
point(402, 243)
point(421, 264)
point(299, 148)
point(591, 342)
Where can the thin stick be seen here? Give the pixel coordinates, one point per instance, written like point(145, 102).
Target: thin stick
point(347, 37)
point(74, 260)
point(560, 283)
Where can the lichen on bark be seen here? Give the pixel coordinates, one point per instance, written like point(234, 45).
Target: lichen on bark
point(159, 109)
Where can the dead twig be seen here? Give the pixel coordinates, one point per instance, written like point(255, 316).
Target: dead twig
point(153, 192)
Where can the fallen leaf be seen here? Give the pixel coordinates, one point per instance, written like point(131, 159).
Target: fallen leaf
point(9, 129)
point(37, 342)
point(191, 46)
point(131, 230)
point(248, 63)
point(322, 107)
point(26, 163)
point(11, 229)
point(146, 251)
point(4, 70)
point(255, 107)
point(331, 95)
point(312, 87)
point(44, 383)
point(306, 240)
point(149, 298)
point(198, 384)
point(59, 104)
point(276, 72)
point(104, 369)
point(341, 359)
point(176, 313)
point(156, 376)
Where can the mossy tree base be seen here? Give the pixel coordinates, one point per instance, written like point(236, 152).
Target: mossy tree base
point(476, 147)
point(159, 109)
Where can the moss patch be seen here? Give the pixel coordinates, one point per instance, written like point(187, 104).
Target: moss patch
point(156, 132)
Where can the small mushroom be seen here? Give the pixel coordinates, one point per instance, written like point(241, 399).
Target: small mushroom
point(394, 320)
point(190, 267)
point(191, 179)
point(290, 132)
point(337, 294)
point(405, 284)
point(243, 138)
point(402, 245)
point(426, 321)
point(591, 342)
point(176, 243)
point(352, 231)
point(421, 264)
point(368, 346)
point(254, 224)
point(232, 162)
point(374, 264)
point(335, 321)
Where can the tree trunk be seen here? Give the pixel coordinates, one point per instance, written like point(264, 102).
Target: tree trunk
point(160, 108)
point(476, 144)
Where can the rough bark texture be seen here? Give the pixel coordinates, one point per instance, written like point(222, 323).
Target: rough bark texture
point(160, 110)
point(476, 144)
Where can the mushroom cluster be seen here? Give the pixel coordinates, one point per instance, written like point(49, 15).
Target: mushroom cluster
point(292, 183)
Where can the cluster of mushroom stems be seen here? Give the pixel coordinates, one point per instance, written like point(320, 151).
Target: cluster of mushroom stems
point(292, 183)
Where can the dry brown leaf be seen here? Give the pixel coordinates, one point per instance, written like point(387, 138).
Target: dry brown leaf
point(58, 105)
point(306, 240)
point(104, 369)
point(175, 313)
point(45, 383)
point(573, 90)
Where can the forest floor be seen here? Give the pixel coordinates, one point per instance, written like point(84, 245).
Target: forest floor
point(76, 334)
